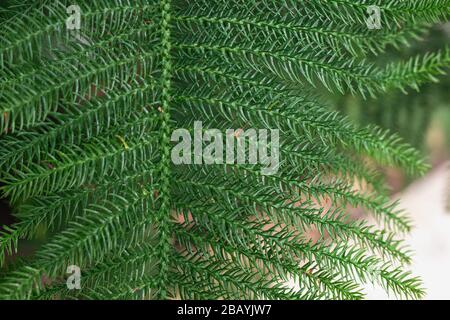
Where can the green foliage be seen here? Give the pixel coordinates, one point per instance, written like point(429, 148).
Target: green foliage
point(85, 147)
point(409, 114)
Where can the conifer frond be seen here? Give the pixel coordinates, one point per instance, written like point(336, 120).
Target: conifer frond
point(86, 120)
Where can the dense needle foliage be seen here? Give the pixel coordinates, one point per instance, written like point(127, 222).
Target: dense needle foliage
point(86, 122)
